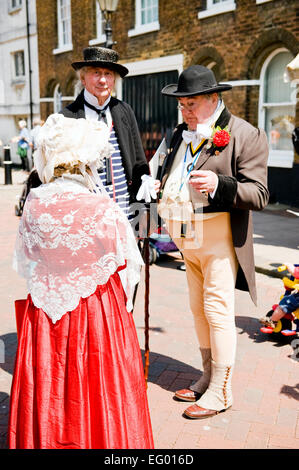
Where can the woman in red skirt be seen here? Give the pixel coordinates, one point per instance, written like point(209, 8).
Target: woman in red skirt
point(78, 381)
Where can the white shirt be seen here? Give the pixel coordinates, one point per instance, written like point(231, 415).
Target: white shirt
point(90, 113)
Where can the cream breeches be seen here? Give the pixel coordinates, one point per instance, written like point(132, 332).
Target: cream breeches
point(211, 273)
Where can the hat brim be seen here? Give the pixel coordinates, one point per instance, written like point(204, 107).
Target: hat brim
point(121, 69)
point(172, 90)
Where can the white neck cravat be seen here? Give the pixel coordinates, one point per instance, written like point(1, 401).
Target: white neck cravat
point(189, 136)
point(195, 137)
point(90, 113)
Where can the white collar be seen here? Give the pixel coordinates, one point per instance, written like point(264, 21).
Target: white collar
point(213, 118)
point(91, 99)
point(203, 131)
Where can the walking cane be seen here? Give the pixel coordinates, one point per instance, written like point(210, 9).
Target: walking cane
point(146, 296)
point(145, 256)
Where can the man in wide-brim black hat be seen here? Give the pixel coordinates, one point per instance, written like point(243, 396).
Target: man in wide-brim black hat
point(126, 171)
point(214, 175)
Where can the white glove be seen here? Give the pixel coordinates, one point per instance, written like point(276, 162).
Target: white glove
point(147, 189)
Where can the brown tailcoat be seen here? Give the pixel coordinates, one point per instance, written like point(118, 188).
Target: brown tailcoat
point(242, 187)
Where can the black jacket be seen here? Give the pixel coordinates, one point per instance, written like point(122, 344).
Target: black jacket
point(127, 133)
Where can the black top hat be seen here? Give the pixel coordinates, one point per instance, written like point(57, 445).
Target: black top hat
point(101, 57)
point(195, 80)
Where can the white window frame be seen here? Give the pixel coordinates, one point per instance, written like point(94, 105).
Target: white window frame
point(217, 9)
point(143, 28)
point(100, 34)
point(277, 158)
point(63, 47)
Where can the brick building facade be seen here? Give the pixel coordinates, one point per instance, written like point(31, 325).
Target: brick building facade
point(246, 42)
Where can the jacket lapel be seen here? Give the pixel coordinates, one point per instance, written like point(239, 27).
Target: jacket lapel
point(81, 113)
point(121, 127)
point(223, 119)
point(205, 154)
point(77, 107)
point(118, 117)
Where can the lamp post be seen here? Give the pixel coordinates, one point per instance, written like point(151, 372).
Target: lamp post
point(108, 7)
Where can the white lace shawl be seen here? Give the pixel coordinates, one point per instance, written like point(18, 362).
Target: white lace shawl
point(69, 242)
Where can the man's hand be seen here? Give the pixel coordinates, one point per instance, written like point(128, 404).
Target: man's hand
point(203, 180)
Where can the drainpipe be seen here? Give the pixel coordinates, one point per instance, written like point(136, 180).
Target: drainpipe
point(29, 64)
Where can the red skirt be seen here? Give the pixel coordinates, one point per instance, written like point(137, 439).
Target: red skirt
point(79, 383)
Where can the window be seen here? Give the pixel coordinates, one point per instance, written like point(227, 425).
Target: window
point(19, 64)
point(100, 26)
point(216, 7)
point(148, 11)
point(277, 108)
point(15, 4)
point(64, 20)
point(146, 17)
point(156, 114)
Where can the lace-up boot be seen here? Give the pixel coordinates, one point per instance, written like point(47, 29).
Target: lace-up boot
point(218, 396)
point(202, 384)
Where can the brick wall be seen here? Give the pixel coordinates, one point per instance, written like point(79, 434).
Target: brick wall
point(57, 68)
point(237, 41)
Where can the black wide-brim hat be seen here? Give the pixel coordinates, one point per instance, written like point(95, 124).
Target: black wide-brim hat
point(195, 80)
point(101, 57)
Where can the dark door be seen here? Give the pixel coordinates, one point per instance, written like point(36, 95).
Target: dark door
point(156, 114)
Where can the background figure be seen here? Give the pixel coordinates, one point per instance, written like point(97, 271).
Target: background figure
point(288, 304)
point(24, 143)
point(214, 175)
point(37, 123)
point(78, 381)
point(122, 172)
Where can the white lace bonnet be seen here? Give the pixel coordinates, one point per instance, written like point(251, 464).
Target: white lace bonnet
point(72, 143)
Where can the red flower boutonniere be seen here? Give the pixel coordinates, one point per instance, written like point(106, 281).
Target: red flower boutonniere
point(220, 139)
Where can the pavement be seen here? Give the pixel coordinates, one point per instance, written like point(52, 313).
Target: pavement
point(265, 412)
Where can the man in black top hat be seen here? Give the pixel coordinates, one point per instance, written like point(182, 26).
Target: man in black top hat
point(215, 173)
point(126, 172)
